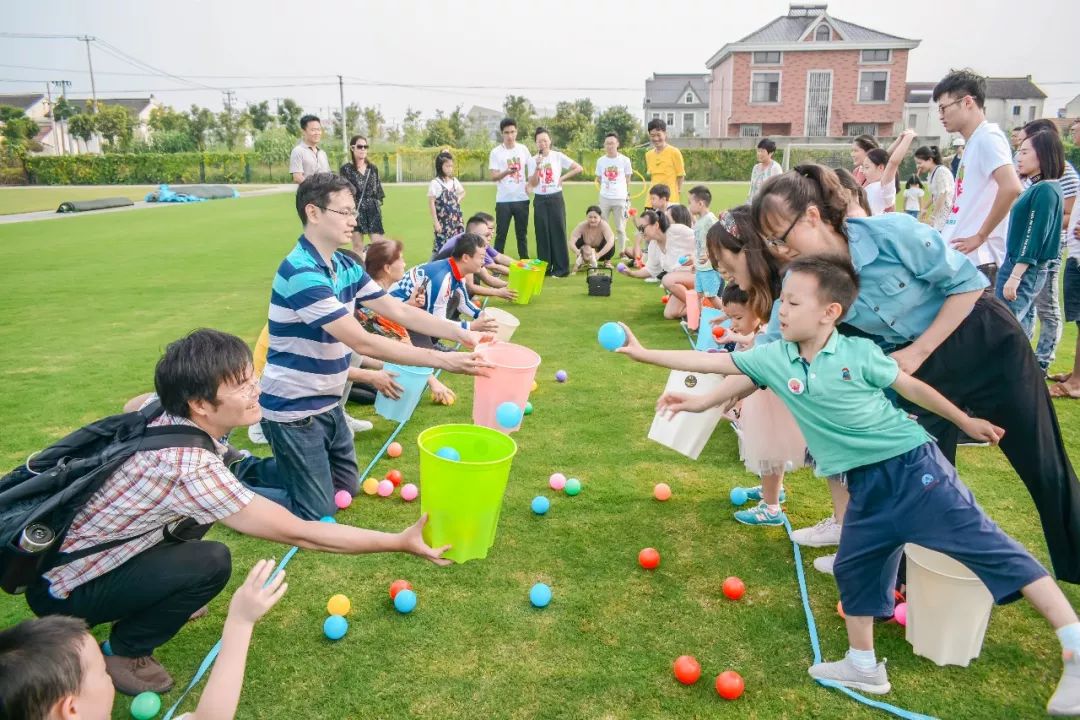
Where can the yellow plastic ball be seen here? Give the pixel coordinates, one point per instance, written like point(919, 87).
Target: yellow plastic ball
point(370, 486)
point(338, 605)
point(535, 385)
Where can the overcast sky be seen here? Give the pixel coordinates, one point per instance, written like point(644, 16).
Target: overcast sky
point(477, 51)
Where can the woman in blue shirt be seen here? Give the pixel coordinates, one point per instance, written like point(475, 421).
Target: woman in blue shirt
point(926, 304)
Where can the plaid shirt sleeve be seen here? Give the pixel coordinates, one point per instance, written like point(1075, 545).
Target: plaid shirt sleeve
point(207, 491)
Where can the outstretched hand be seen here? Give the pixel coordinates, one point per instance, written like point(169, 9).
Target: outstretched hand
point(256, 596)
point(632, 348)
point(671, 404)
point(412, 541)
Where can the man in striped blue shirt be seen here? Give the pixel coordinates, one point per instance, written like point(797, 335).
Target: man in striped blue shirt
point(313, 333)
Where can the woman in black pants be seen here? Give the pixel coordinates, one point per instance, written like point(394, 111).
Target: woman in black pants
point(928, 306)
point(549, 209)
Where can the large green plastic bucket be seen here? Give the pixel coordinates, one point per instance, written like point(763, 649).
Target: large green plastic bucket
point(539, 272)
point(463, 499)
point(521, 282)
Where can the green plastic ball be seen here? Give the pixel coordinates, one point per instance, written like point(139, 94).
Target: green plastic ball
point(528, 408)
point(573, 486)
point(145, 706)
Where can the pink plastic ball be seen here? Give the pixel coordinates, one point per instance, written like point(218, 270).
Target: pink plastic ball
point(342, 499)
point(409, 492)
point(557, 481)
point(900, 614)
point(386, 488)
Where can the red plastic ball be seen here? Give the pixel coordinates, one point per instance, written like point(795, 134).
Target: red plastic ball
point(729, 685)
point(394, 476)
point(649, 558)
point(665, 299)
point(397, 586)
point(687, 669)
point(734, 588)
point(718, 331)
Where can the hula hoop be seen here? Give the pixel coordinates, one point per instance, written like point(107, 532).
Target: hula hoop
point(632, 198)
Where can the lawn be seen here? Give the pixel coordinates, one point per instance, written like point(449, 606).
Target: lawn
point(31, 199)
point(98, 297)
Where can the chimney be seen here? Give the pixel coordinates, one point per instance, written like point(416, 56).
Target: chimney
point(806, 10)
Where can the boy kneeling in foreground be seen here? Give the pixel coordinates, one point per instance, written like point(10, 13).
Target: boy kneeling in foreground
point(902, 488)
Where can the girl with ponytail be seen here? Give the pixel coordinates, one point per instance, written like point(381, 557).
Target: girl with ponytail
point(927, 304)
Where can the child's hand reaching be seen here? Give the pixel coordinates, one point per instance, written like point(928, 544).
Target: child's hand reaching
point(979, 429)
point(632, 348)
point(671, 404)
point(255, 597)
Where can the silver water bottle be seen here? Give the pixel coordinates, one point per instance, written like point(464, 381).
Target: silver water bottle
point(36, 538)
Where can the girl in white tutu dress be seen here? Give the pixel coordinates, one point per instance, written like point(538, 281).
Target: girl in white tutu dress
point(770, 442)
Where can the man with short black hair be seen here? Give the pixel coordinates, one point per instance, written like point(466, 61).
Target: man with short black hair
point(664, 162)
point(307, 158)
point(613, 171)
point(510, 165)
point(986, 183)
point(480, 225)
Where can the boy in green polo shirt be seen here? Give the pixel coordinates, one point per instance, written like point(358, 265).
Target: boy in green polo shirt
point(902, 488)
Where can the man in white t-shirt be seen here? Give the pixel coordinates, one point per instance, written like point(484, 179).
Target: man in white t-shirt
point(986, 182)
point(510, 165)
point(307, 158)
point(613, 171)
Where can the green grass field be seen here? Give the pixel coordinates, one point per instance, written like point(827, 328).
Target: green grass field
point(31, 199)
point(89, 304)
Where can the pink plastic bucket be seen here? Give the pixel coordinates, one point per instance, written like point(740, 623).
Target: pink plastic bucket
point(509, 381)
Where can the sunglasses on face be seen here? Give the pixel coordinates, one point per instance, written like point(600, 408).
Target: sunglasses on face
point(360, 147)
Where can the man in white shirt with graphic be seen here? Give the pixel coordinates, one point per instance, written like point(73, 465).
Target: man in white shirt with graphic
point(510, 165)
point(613, 171)
point(986, 182)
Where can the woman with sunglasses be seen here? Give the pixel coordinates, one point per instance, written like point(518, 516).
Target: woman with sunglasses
point(928, 305)
point(367, 192)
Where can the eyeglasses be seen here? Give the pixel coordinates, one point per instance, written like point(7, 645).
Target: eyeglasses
point(942, 108)
point(360, 147)
point(782, 240)
point(342, 213)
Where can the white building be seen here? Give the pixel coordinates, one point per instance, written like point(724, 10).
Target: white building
point(681, 100)
point(921, 115)
point(486, 119)
point(1012, 102)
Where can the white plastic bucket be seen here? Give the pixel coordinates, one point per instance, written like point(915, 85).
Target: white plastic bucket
point(948, 608)
point(507, 323)
point(687, 433)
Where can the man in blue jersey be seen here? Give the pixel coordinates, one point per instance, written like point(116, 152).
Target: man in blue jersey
point(313, 333)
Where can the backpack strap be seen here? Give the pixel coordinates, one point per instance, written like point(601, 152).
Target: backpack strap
point(155, 438)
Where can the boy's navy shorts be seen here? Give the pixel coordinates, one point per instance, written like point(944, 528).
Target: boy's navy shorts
point(917, 497)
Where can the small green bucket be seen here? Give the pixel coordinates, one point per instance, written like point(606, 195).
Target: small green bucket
point(521, 282)
point(463, 498)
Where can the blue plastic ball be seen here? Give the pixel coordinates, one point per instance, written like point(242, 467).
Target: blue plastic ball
point(449, 453)
point(106, 648)
point(611, 336)
point(405, 601)
point(540, 504)
point(146, 705)
point(738, 496)
point(508, 415)
point(327, 519)
point(540, 595)
point(683, 259)
point(335, 627)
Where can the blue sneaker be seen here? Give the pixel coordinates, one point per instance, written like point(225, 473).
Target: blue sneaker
point(760, 515)
point(754, 493)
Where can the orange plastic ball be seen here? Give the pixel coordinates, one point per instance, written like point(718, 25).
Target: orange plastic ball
point(394, 450)
point(397, 586)
point(394, 476)
point(729, 685)
point(649, 558)
point(734, 588)
point(687, 669)
point(662, 492)
point(665, 299)
point(718, 331)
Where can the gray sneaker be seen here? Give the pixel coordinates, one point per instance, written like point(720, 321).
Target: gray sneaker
point(824, 534)
point(845, 673)
point(1066, 699)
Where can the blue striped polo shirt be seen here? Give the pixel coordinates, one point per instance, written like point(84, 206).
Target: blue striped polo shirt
point(307, 367)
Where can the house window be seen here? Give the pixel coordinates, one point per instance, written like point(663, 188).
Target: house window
point(765, 87)
point(1016, 111)
point(671, 119)
point(750, 131)
point(823, 33)
point(689, 98)
point(1031, 113)
point(912, 120)
point(688, 122)
point(706, 118)
point(873, 86)
point(656, 116)
point(766, 58)
point(876, 56)
point(856, 129)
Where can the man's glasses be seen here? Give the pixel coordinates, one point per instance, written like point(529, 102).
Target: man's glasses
point(342, 213)
point(942, 108)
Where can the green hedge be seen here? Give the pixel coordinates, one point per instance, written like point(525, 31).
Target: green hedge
point(417, 166)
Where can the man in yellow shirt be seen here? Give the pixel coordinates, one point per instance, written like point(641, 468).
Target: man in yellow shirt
point(663, 162)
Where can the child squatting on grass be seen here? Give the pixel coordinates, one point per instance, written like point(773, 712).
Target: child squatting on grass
point(902, 488)
point(51, 668)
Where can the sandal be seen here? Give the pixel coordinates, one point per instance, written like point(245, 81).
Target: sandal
point(1060, 391)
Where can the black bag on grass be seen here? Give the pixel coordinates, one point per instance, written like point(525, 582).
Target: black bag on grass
point(40, 498)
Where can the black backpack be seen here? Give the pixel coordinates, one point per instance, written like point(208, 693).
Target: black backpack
point(40, 499)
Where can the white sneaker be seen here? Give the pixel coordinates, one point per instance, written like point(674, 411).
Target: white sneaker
point(1066, 698)
point(825, 533)
point(255, 435)
point(845, 673)
point(824, 564)
point(356, 425)
point(651, 280)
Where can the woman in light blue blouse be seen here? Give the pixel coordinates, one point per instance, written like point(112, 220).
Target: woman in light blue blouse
point(927, 305)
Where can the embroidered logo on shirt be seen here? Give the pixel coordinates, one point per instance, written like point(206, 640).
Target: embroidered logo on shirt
point(845, 374)
point(927, 480)
point(690, 381)
point(795, 386)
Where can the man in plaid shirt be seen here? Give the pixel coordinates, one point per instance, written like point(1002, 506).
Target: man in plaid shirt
point(149, 587)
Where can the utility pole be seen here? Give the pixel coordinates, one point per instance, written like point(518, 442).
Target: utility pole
point(229, 95)
point(344, 122)
point(90, 61)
